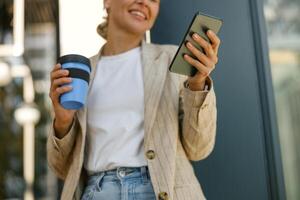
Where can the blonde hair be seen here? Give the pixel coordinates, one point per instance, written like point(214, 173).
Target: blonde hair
point(102, 28)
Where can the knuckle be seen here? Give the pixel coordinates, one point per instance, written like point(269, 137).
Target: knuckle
point(201, 55)
point(216, 60)
point(211, 64)
point(205, 60)
point(204, 73)
point(51, 95)
point(55, 81)
point(65, 88)
point(216, 39)
point(58, 90)
point(208, 46)
point(54, 68)
point(62, 89)
point(63, 72)
point(194, 50)
point(196, 63)
point(53, 75)
point(212, 61)
point(60, 73)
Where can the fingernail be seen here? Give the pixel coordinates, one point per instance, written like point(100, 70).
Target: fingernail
point(195, 35)
point(209, 32)
point(188, 44)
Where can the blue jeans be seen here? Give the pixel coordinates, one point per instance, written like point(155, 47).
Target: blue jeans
point(123, 183)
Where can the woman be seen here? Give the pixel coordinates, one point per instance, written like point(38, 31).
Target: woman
point(142, 124)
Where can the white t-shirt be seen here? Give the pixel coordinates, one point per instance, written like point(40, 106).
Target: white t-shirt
point(115, 119)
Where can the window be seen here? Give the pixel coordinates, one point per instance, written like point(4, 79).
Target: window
point(283, 27)
point(38, 55)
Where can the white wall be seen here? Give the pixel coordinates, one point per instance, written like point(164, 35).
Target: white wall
point(78, 22)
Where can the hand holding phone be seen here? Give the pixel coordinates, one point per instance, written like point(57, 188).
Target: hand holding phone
point(200, 24)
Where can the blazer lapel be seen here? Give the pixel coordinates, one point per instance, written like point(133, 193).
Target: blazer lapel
point(154, 72)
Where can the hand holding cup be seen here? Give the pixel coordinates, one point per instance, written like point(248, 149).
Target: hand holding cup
point(69, 87)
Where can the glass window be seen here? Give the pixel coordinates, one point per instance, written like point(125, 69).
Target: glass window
point(283, 27)
point(6, 18)
point(24, 173)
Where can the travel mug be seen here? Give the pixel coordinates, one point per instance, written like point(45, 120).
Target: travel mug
point(79, 68)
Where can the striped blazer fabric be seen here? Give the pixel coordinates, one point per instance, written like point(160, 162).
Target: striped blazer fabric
point(179, 125)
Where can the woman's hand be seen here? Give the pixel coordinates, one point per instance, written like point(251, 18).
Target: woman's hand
point(63, 117)
point(204, 62)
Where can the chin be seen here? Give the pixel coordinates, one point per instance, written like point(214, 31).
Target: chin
point(137, 29)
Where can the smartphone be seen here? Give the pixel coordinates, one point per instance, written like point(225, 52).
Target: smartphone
point(200, 24)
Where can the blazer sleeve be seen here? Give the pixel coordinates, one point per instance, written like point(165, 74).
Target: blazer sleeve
point(59, 150)
point(198, 118)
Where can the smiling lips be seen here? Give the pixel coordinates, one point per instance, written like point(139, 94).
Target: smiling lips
point(139, 14)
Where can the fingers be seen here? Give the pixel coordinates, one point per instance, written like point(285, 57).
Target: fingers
point(55, 93)
point(57, 72)
point(204, 44)
point(199, 55)
point(206, 61)
point(59, 85)
point(57, 66)
point(63, 89)
point(205, 71)
point(215, 40)
point(210, 58)
point(59, 81)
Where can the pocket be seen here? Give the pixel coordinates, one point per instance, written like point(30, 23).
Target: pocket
point(143, 191)
point(99, 182)
point(107, 190)
point(93, 185)
point(87, 194)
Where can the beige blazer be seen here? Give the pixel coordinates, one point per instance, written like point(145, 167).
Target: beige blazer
point(180, 125)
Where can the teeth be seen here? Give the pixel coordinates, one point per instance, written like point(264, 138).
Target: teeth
point(138, 13)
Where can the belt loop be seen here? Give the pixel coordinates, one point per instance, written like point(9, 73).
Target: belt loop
point(99, 181)
point(144, 174)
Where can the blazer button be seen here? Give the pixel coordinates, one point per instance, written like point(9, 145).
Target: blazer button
point(150, 154)
point(163, 196)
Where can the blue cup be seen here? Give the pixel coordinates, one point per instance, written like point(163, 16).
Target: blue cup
point(79, 68)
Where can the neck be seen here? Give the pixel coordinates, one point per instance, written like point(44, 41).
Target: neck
point(119, 42)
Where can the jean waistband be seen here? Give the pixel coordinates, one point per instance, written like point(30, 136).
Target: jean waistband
point(123, 170)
